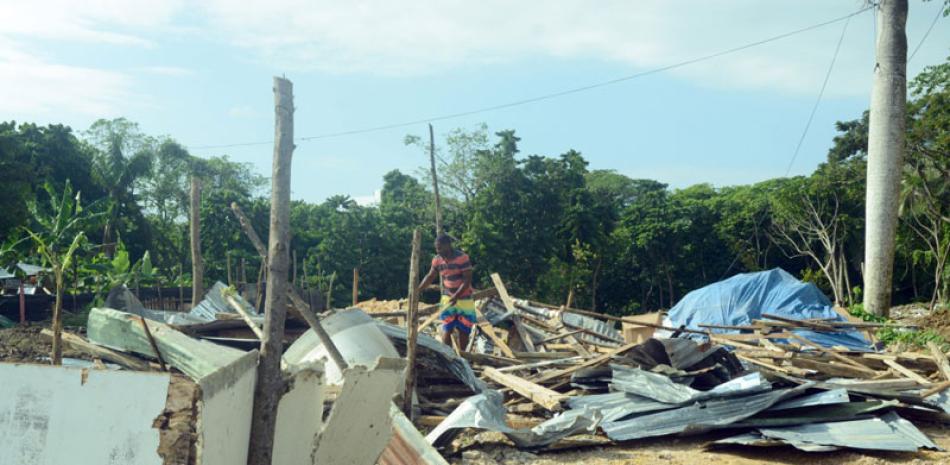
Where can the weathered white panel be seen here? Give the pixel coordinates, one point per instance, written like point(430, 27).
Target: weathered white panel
point(56, 415)
point(299, 418)
point(359, 426)
point(224, 412)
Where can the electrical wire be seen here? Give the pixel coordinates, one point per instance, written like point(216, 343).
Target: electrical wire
point(555, 94)
point(811, 117)
point(922, 39)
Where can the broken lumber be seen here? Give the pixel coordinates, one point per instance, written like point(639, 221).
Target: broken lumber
point(540, 395)
point(590, 363)
point(92, 350)
point(941, 358)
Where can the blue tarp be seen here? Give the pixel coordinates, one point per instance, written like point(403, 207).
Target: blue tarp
point(745, 297)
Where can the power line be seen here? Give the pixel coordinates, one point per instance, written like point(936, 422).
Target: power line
point(811, 116)
point(555, 94)
point(922, 39)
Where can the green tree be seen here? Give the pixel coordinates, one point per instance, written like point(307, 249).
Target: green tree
point(57, 236)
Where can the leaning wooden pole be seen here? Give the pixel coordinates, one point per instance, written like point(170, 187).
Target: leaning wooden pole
point(886, 126)
point(197, 265)
point(269, 387)
point(435, 183)
point(411, 316)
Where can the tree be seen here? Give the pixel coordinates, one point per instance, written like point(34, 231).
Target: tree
point(124, 157)
point(57, 238)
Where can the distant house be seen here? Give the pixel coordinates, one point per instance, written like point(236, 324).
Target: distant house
point(11, 283)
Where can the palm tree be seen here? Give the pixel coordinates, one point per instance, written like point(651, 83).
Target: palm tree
point(118, 173)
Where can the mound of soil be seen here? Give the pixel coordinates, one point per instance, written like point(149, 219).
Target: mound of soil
point(25, 344)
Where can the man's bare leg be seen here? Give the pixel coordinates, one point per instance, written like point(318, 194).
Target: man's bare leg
point(447, 337)
point(463, 341)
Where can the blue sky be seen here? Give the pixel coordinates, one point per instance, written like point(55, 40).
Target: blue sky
point(201, 72)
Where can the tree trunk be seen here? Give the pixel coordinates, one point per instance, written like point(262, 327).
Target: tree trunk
point(885, 154)
point(57, 355)
point(356, 285)
point(593, 285)
point(197, 266)
point(269, 387)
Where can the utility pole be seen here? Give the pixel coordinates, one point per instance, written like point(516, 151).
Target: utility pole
point(197, 265)
point(435, 183)
point(885, 155)
point(270, 387)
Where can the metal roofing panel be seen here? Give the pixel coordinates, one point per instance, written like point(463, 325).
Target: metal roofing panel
point(889, 432)
point(698, 417)
point(834, 396)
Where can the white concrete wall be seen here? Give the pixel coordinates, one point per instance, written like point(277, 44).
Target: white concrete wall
point(299, 418)
point(224, 413)
point(55, 415)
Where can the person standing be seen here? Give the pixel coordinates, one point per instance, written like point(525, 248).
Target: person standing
point(455, 271)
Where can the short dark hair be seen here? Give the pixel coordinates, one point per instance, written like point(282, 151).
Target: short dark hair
point(443, 239)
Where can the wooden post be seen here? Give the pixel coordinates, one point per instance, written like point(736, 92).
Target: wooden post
point(227, 261)
point(181, 287)
point(435, 183)
point(330, 291)
point(294, 279)
point(411, 322)
point(270, 385)
point(243, 272)
point(356, 285)
point(197, 266)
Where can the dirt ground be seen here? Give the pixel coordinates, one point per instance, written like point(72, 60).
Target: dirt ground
point(488, 448)
point(26, 344)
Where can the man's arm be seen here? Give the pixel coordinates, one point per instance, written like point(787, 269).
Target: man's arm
point(466, 284)
point(426, 281)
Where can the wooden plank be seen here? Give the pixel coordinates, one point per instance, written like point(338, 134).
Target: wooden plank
point(244, 315)
point(92, 350)
point(834, 355)
point(830, 369)
point(935, 390)
point(541, 364)
point(906, 372)
point(523, 334)
point(411, 331)
point(803, 323)
point(589, 363)
point(503, 292)
point(943, 365)
point(561, 335)
point(787, 370)
point(489, 330)
point(540, 395)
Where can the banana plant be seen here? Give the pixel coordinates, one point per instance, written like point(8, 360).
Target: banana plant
point(56, 240)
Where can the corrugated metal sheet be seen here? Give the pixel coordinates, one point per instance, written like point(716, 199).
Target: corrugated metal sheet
point(659, 387)
point(697, 417)
point(834, 396)
point(890, 432)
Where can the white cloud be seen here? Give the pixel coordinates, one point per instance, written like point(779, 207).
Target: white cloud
point(408, 38)
point(172, 71)
point(30, 86)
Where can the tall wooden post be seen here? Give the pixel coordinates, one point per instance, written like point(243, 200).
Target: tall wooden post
point(197, 266)
point(411, 317)
point(294, 279)
point(886, 127)
point(227, 258)
point(269, 387)
point(435, 183)
point(356, 285)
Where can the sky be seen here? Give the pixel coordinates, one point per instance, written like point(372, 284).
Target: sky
point(201, 72)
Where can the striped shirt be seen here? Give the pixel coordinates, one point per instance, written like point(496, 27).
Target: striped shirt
point(450, 271)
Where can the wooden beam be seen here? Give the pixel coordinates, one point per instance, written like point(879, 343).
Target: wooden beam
point(411, 329)
point(503, 292)
point(244, 316)
point(906, 372)
point(540, 395)
point(486, 327)
point(435, 183)
point(941, 358)
point(523, 334)
point(589, 363)
point(92, 350)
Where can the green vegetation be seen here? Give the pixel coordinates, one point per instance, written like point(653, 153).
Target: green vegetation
point(548, 224)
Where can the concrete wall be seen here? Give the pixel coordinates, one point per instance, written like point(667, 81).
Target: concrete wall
point(300, 418)
point(55, 415)
point(224, 412)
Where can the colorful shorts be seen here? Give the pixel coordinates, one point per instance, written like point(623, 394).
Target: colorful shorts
point(461, 315)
